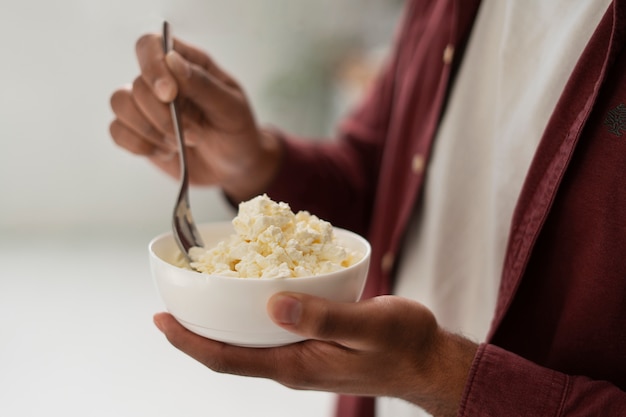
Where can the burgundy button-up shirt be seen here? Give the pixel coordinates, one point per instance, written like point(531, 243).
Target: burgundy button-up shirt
point(557, 345)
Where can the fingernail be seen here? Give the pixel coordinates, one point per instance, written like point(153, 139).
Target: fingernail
point(286, 310)
point(164, 89)
point(178, 65)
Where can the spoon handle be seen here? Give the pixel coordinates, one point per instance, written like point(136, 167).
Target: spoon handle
point(185, 232)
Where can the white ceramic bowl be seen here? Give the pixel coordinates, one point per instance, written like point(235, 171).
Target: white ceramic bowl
point(233, 310)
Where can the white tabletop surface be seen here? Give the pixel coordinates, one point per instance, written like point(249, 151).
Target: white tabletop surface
point(77, 339)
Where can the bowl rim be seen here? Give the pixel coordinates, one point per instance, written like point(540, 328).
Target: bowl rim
point(169, 234)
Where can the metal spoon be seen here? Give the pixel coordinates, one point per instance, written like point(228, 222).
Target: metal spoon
point(185, 231)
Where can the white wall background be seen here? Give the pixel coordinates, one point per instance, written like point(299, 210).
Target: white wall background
point(76, 212)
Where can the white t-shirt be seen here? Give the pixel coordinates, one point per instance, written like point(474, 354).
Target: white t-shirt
point(518, 59)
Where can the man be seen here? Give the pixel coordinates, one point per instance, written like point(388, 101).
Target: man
point(489, 155)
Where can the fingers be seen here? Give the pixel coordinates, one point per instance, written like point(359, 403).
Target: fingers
point(132, 130)
point(218, 356)
point(366, 325)
point(200, 58)
point(301, 365)
point(195, 346)
point(220, 102)
point(143, 124)
point(150, 55)
point(209, 99)
point(152, 110)
point(154, 71)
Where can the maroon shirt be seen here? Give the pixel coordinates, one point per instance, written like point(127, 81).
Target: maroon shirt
point(557, 345)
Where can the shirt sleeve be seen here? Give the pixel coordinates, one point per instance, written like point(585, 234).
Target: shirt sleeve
point(504, 384)
point(337, 179)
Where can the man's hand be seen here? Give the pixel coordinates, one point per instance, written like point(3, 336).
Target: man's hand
point(386, 346)
point(225, 147)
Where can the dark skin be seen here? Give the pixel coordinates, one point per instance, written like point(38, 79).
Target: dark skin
point(385, 346)
point(226, 147)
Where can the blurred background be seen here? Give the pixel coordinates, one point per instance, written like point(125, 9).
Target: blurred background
point(77, 213)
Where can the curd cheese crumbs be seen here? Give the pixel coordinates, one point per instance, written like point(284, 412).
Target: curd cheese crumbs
point(270, 241)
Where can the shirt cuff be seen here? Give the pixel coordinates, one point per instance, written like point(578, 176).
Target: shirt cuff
point(501, 383)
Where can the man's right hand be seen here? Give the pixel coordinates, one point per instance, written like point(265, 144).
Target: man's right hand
point(225, 146)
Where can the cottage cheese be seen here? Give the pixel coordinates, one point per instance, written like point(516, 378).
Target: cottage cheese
point(270, 241)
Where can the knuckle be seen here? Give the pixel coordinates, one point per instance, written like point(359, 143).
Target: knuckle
point(145, 105)
point(220, 366)
point(149, 132)
point(392, 314)
point(221, 362)
point(298, 374)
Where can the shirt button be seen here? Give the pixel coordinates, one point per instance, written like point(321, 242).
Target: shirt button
point(387, 262)
point(448, 54)
point(418, 163)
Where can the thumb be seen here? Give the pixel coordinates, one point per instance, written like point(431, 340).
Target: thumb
point(178, 65)
point(357, 325)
